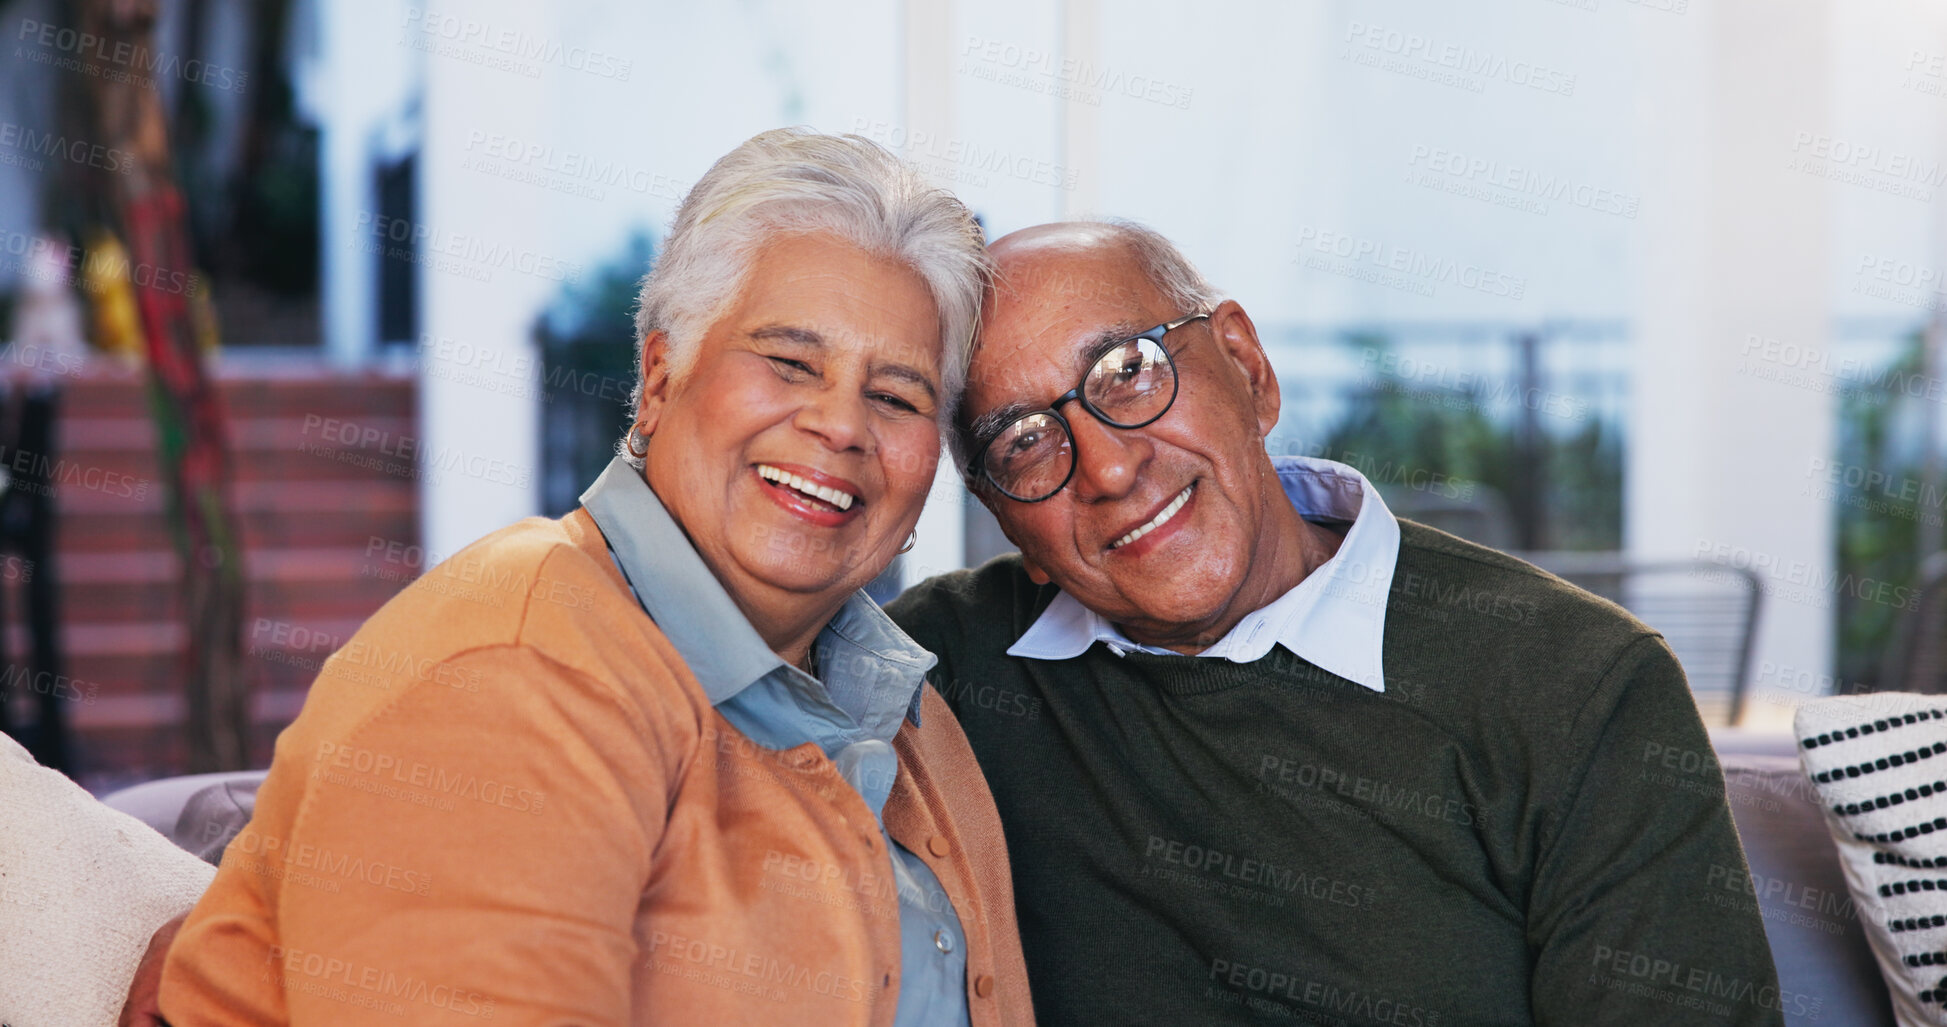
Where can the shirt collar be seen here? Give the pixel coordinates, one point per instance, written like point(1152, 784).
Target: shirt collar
point(1335, 618)
point(861, 650)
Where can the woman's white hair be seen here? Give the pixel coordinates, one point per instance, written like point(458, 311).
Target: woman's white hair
point(793, 181)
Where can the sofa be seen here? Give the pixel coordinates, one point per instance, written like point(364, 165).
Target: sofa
point(1817, 939)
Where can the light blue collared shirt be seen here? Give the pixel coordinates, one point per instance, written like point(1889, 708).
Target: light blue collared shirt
point(869, 678)
point(1335, 618)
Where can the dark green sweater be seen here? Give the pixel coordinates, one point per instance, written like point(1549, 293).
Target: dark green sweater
point(1497, 839)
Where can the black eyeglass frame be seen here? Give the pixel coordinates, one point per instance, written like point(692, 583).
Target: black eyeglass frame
point(977, 466)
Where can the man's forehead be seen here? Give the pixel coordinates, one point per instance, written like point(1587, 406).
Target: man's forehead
point(1051, 302)
point(1110, 279)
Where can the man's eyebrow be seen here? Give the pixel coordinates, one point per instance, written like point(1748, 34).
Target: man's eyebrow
point(1099, 344)
point(989, 424)
point(788, 333)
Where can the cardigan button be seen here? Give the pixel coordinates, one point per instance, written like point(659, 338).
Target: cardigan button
point(983, 985)
point(937, 845)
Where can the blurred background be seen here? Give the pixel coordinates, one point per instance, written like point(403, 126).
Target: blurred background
point(303, 295)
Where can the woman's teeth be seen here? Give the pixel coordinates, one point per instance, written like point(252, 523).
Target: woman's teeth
point(842, 500)
point(1156, 521)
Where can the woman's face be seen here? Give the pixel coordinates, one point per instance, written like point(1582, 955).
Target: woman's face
point(797, 448)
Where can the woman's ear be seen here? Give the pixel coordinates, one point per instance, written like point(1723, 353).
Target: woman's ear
point(655, 381)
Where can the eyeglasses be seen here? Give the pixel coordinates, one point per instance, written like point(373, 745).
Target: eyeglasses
point(1130, 386)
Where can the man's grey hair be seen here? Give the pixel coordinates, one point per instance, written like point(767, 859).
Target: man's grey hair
point(1166, 269)
point(793, 181)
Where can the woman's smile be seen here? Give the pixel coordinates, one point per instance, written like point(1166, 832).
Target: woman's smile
point(811, 495)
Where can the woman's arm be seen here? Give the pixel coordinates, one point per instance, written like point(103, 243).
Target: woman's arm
point(475, 849)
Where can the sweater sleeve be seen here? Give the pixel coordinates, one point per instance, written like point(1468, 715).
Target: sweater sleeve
point(1622, 922)
point(460, 854)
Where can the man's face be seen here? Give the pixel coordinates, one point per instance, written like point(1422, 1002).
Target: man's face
point(1055, 305)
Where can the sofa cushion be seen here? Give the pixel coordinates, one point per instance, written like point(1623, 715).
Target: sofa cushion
point(1879, 762)
point(82, 889)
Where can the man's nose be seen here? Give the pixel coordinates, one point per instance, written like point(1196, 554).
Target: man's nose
point(1108, 460)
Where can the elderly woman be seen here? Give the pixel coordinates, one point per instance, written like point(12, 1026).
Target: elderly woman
point(662, 761)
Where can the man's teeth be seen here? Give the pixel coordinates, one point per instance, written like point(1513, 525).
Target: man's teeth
point(842, 500)
point(1156, 521)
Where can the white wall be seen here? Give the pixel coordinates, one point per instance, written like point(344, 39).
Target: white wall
point(1245, 130)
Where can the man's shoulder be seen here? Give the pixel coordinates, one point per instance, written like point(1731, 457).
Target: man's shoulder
point(1508, 635)
point(989, 604)
point(1467, 578)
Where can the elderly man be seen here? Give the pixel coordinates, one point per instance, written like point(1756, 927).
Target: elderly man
point(1261, 750)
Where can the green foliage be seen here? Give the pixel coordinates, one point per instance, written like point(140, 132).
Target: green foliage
point(1399, 434)
point(1881, 511)
point(588, 369)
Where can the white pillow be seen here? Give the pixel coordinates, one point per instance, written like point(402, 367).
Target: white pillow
point(1879, 763)
point(82, 889)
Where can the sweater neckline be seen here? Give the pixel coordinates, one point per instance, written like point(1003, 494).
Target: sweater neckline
point(1177, 674)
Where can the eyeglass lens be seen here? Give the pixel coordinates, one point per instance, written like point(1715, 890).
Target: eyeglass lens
point(1128, 387)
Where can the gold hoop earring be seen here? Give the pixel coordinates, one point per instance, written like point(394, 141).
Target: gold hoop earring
point(910, 541)
point(638, 442)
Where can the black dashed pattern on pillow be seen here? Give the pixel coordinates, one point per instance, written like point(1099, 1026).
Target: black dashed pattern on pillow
point(1877, 763)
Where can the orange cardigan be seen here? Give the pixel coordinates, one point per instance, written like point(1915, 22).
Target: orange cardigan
point(507, 800)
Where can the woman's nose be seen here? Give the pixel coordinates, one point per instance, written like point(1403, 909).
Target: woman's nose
point(838, 417)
